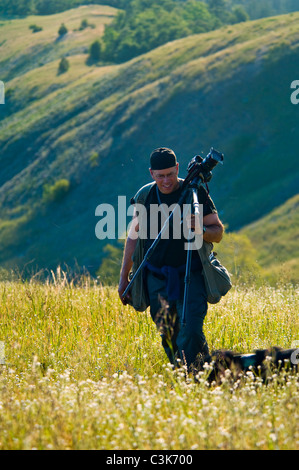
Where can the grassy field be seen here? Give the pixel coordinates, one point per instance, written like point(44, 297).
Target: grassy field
point(83, 372)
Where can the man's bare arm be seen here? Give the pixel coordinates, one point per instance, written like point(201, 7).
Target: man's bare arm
point(127, 262)
point(214, 228)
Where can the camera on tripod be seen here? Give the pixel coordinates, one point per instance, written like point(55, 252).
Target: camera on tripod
point(202, 168)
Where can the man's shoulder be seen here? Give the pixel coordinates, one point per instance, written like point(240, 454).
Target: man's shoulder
point(142, 193)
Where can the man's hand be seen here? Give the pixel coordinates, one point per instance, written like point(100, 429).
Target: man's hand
point(213, 227)
point(123, 284)
point(194, 223)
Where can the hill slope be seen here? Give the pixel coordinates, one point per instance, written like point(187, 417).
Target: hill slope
point(276, 237)
point(95, 128)
point(22, 50)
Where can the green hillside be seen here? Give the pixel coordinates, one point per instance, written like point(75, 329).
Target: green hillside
point(276, 237)
point(23, 50)
point(93, 127)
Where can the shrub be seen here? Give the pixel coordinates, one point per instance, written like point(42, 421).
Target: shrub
point(108, 272)
point(94, 159)
point(62, 30)
point(35, 28)
point(95, 51)
point(84, 24)
point(240, 14)
point(64, 65)
point(56, 191)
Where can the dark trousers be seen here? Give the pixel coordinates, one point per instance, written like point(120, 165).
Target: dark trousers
point(187, 341)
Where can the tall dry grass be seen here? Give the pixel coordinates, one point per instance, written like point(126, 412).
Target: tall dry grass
point(83, 372)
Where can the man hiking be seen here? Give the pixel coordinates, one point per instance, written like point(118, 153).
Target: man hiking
point(164, 272)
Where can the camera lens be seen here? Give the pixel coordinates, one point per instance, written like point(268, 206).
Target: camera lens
point(212, 160)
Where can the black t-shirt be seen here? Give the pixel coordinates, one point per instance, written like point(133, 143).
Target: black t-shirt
point(171, 250)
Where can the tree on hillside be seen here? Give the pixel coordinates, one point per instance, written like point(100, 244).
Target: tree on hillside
point(62, 30)
point(64, 65)
point(94, 52)
point(240, 14)
point(220, 9)
point(198, 17)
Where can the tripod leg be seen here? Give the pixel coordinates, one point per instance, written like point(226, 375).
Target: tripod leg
point(187, 279)
point(195, 207)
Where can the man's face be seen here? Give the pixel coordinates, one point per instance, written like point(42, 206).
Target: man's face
point(167, 180)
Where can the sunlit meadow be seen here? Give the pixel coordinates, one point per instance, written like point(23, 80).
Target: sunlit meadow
point(83, 372)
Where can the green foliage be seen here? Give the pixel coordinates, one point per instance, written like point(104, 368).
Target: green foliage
point(240, 14)
point(260, 9)
point(222, 8)
point(239, 256)
point(46, 7)
point(35, 28)
point(149, 24)
point(56, 191)
point(219, 8)
point(108, 272)
point(62, 30)
point(63, 65)
point(17, 7)
point(94, 159)
point(276, 236)
point(95, 51)
point(85, 24)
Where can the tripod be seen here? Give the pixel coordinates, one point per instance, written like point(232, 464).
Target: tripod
point(193, 187)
